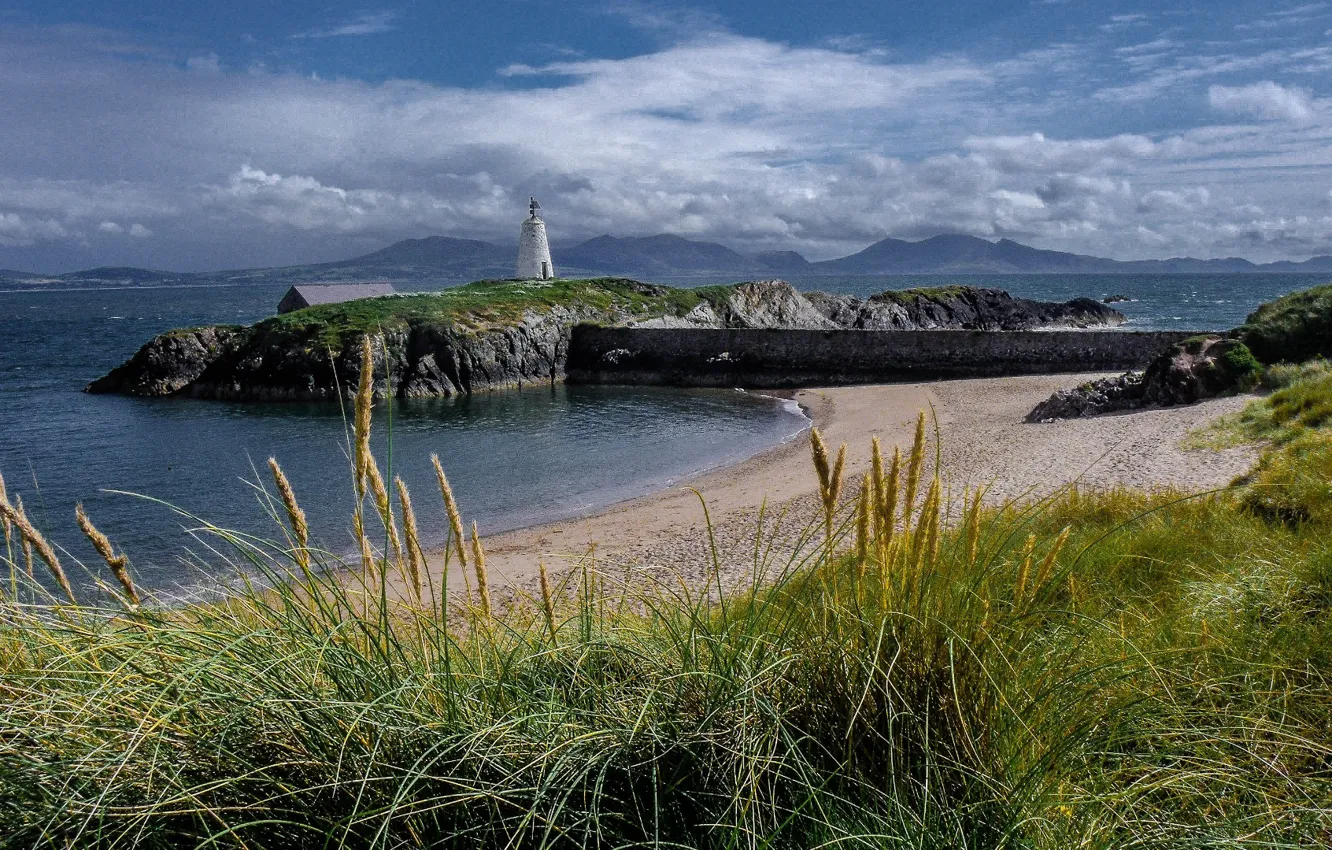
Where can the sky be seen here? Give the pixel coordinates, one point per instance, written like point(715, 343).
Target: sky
point(209, 135)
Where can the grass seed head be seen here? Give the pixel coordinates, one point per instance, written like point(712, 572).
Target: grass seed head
point(451, 508)
point(1047, 564)
point(888, 496)
point(299, 528)
point(385, 508)
point(1024, 570)
point(416, 563)
point(864, 514)
point(547, 599)
point(39, 544)
point(119, 564)
point(835, 486)
point(482, 577)
point(5, 524)
point(914, 466)
point(819, 449)
point(364, 406)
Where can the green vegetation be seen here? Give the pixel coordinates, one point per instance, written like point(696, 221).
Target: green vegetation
point(1113, 669)
point(930, 293)
point(1301, 402)
point(1292, 481)
point(1293, 328)
point(480, 304)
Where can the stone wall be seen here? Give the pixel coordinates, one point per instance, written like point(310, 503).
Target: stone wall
point(790, 358)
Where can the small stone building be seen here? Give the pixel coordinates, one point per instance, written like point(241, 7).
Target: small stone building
point(309, 294)
point(533, 250)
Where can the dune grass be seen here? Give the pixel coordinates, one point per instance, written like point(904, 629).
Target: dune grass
point(1106, 669)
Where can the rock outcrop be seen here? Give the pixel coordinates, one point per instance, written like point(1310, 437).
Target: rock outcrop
point(481, 349)
point(1185, 373)
point(959, 307)
point(170, 362)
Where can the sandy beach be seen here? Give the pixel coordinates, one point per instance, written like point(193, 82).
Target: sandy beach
point(983, 438)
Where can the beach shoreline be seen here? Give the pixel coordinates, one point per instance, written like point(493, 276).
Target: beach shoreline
point(983, 441)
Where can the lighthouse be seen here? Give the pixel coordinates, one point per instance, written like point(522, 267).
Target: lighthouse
point(533, 249)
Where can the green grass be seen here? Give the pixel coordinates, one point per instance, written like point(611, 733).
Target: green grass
point(1293, 328)
point(1300, 402)
point(1162, 679)
point(476, 305)
point(932, 293)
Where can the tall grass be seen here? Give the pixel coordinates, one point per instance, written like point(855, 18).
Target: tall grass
point(1094, 669)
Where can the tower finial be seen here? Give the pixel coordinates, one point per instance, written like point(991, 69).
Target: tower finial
point(533, 207)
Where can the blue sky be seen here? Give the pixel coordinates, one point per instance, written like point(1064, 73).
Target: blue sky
point(193, 136)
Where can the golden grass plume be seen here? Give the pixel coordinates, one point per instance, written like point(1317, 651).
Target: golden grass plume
point(39, 543)
point(118, 563)
point(299, 528)
point(482, 577)
point(451, 509)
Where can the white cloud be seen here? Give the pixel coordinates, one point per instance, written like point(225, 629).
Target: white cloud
point(17, 231)
point(207, 63)
point(1263, 100)
point(368, 23)
point(1186, 200)
point(717, 136)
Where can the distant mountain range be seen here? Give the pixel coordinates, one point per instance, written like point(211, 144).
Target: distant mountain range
point(445, 259)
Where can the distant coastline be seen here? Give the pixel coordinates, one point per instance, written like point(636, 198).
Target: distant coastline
point(446, 259)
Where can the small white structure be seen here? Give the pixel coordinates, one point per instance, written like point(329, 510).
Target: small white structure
point(533, 249)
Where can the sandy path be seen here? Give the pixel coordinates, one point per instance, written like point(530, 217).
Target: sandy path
point(984, 441)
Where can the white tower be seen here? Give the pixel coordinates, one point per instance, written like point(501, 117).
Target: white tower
point(533, 249)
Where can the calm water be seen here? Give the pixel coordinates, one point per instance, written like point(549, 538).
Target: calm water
point(515, 458)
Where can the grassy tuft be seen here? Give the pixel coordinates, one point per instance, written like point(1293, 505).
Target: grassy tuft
point(1097, 669)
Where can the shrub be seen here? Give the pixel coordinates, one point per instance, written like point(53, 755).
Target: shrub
point(1293, 328)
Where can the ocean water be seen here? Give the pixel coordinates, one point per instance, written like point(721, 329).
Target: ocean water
point(515, 458)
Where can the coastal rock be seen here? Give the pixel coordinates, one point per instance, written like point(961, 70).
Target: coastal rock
point(702, 316)
point(425, 360)
point(1185, 373)
point(772, 304)
point(966, 308)
point(169, 362)
point(487, 347)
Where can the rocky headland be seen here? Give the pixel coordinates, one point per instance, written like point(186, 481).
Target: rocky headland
point(495, 334)
point(1292, 329)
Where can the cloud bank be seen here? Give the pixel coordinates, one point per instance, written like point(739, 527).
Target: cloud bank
point(716, 135)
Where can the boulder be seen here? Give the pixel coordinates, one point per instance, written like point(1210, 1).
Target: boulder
point(1187, 372)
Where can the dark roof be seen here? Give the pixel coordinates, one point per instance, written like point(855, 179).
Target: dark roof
point(310, 294)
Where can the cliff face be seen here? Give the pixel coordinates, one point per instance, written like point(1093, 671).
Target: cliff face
point(521, 337)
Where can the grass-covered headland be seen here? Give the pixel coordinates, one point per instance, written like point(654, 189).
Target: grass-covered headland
point(1106, 669)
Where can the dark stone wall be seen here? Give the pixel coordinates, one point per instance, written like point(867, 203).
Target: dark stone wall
point(791, 358)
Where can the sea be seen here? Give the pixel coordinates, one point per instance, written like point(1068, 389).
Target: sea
point(160, 475)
